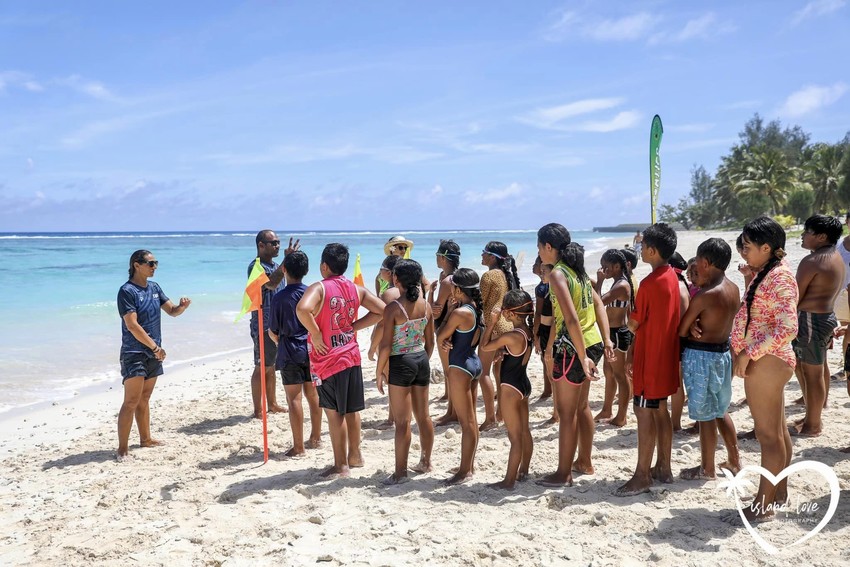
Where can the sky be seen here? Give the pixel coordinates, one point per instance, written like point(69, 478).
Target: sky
point(389, 115)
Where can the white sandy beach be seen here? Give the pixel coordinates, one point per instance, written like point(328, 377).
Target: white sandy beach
point(205, 498)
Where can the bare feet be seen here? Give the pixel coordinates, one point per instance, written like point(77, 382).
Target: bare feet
point(692, 429)
point(313, 443)
point(745, 435)
point(488, 425)
point(151, 443)
point(802, 431)
point(355, 460)
point(503, 485)
point(583, 468)
point(274, 408)
point(755, 515)
point(556, 480)
point(696, 473)
point(732, 468)
point(603, 415)
point(617, 422)
point(336, 472)
point(445, 420)
point(664, 475)
point(422, 467)
point(395, 478)
point(522, 476)
point(294, 452)
point(122, 457)
point(636, 485)
point(458, 478)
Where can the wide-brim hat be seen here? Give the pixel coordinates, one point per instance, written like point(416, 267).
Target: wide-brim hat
point(392, 242)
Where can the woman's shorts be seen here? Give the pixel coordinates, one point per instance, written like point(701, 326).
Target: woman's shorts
point(622, 338)
point(569, 367)
point(410, 369)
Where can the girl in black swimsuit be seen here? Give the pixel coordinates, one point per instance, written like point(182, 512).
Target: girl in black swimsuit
point(448, 260)
point(515, 387)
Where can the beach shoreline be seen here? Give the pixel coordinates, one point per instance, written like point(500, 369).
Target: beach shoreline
point(205, 498)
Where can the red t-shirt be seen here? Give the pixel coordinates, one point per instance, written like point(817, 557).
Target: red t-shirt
point(656, 350)
point(335, 318)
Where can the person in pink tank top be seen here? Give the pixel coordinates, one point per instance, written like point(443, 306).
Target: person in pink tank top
point(328, 310)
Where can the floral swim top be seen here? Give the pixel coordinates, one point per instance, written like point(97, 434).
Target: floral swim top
point(773, 318)
point(410, 335)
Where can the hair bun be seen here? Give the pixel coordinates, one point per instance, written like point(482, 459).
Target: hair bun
point(779, 253)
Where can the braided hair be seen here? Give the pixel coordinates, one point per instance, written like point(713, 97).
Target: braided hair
point(467, 280)
point(137, 257)
point(760, 231)
point(614, 256)
point(450, 250)
point(504, 261)
point(573, 257)
point(631, 258)
point(680, 265)
point(409, 275)
point(519, 302)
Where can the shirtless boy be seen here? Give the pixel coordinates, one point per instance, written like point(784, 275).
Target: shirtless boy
point(706, 360)
point(820, 276)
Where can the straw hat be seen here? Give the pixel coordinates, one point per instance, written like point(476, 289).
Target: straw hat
point(392, 242)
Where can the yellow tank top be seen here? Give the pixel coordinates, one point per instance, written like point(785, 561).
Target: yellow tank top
point(582, 296)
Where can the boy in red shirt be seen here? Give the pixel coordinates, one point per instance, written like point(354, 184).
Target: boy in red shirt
point(653, 359)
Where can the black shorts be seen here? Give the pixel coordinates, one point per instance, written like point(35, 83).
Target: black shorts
point(622, 338)
point(140, 364)
point(814, 336)
point(411, 369)
point(343, 391)
point(270, 350)
point(569, 366)
point(543, 333)
point(294, 374)
point(649, 403)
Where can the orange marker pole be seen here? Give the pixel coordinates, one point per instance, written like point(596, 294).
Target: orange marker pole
point(263, 381)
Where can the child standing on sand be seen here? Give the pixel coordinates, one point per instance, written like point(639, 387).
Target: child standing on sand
point(459, 335)
point(406, 346)
point(515, 387)
point(542, 332)
point(653, 359)
point(290, 336)
point(619, 302)
point(706, 360)
point(448, 260)
point(578, 347)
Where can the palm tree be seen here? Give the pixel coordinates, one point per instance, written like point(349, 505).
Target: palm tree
point(765, 171)
point(824, 173)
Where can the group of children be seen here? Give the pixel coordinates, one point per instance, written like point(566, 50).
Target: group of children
point(651, 337)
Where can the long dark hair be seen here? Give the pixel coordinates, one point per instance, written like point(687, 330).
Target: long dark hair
point(409, 274)
point(137, 257)
point(759, 231)
point(505, 262)
point(468, 282)
point(556, 235)
point(614, 256)
point(573, 257)
point(450, 250)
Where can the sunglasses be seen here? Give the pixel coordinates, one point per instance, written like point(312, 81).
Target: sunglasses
point(400, 246)
point(272, 242)
point(151, 263)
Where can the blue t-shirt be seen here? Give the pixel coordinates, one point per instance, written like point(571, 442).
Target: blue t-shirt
point(145, 302)
point(292, 346)
point(267, 298)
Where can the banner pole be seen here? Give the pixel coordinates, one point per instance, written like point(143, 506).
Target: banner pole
point(262, 340)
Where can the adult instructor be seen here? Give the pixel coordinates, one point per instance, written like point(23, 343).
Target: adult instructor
point(268, 248)
point(139, 304)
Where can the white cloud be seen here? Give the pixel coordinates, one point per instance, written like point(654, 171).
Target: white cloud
point(93, 89)
point(622, 121)
point(571, 24)
point(512, 190)
point(596, 194)
point(551, 116)
point(703, 27)
point(636, 199)
point(322, 201)
point(306, 154)
point(19, 80)
point(742, 104)
point(817, 8)
point(426, 197)
point(811, 98)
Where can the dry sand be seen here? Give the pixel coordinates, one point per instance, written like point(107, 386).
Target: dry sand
point(205, 498)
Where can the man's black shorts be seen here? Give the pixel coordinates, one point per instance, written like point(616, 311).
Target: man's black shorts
point(270, 350)
point(294, 374)
point(140, 364)
point(343, 391)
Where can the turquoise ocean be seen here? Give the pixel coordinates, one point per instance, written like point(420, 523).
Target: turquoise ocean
point(59, 325)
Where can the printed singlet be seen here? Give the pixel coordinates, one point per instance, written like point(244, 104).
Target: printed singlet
point(335, 319)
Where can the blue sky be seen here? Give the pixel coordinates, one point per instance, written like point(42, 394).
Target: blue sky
point(391, 115)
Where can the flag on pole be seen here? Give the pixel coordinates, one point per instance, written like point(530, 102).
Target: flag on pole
point(252, 300)
point(253, 297)
point(655, 133)
point(358, 273)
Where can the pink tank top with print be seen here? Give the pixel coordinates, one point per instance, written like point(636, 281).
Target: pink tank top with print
point(339, 311)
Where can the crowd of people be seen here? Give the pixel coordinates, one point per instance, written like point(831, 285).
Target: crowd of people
point(675, 338)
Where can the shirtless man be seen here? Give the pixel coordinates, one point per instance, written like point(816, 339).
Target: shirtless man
point(820, 276)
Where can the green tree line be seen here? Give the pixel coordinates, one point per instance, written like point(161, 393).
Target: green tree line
point(770, 170)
